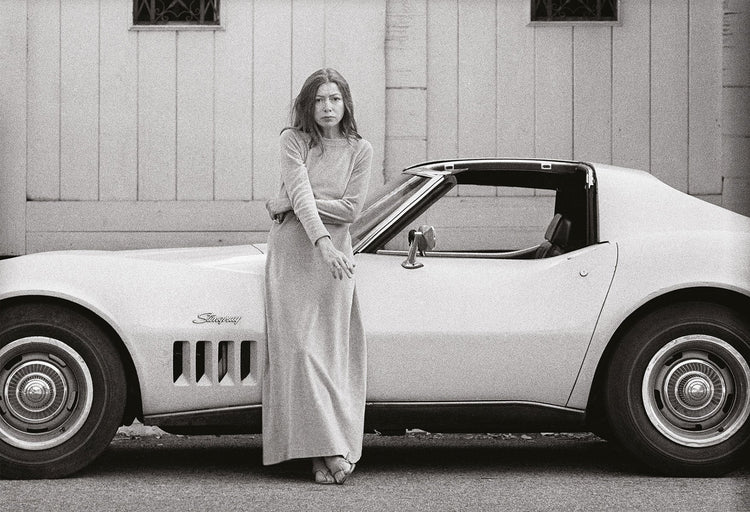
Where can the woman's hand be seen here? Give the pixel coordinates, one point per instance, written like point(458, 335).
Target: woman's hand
point(337, 262)
point(277, 209)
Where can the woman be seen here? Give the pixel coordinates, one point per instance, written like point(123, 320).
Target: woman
point(314, 387)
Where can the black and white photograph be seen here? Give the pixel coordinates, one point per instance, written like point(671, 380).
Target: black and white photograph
point(375, 255)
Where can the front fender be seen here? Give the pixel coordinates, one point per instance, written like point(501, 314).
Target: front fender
point(151, 305)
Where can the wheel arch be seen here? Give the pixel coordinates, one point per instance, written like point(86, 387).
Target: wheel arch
point(133, 405)
point(595, 414)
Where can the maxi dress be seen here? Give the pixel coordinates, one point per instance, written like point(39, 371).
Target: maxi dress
point(315, 376)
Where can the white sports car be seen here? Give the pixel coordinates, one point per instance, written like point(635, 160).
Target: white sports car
point(628, 316)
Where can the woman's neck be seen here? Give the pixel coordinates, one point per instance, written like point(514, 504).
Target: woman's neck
point(333, 132)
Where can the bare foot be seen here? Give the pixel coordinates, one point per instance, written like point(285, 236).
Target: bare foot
point(320, 472)
point(339, 467)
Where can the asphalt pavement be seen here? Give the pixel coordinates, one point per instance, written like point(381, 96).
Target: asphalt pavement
point(145, 469)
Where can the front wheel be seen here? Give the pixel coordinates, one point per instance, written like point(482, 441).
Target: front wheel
point(62, 391)
point(678, 390)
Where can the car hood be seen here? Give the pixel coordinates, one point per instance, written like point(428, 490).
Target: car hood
point(190, 255)
point(242, 259)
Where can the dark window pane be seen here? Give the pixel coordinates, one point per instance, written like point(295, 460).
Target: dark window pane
point(573, 10)
point(162, 12)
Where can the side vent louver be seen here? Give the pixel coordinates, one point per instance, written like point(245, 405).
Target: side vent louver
point(223, 365)
point(180, 362)
point(176, 360)
point(245, 358)
point(200, 360)
point(207, 363)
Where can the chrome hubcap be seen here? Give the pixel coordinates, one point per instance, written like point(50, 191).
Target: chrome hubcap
point(35, 392)
point(696, 390)
point(45, 393)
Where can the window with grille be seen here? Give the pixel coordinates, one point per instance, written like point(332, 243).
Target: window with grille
point(182, 12)
point(574, 10)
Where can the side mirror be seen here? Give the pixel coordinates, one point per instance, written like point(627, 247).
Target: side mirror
point(419, 241)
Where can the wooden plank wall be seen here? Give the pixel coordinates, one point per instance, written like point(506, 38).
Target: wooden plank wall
point(145, 138)
point(13, 138)
point(149, 138)
point(735, 128)
point(644, 93)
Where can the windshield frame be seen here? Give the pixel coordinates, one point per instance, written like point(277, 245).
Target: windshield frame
point(427, 182)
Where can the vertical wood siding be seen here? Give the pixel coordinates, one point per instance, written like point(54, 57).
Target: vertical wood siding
point(477, 80)
point(553, 92)
point(177, 125)
point(515, 69)
point(118, 103)
point(631, 87)
point(704, 110)
point(233, 83)
point(195, 117)
point(79, 101)
point(735, 130)
point(183, 125)
point(157, 116)
point(641, 94)
point(592, 94)
point(669, 91)
point(13, 136)
point(43, 113)
point(272, 88)
point(441, 71)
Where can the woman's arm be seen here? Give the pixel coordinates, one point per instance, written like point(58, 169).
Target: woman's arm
point(347, 209)
point(338, 211)
point(298, 188)
point(278, 206)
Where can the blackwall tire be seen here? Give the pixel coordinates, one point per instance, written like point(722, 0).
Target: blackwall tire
point(62, 391)
point(678, 390)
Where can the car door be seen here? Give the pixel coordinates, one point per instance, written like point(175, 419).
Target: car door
point(466, 329)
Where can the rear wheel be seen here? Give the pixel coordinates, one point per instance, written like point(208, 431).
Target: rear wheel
point(62, 391)
point(678, 390)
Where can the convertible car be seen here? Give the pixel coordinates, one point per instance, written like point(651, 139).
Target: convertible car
point(498, 295)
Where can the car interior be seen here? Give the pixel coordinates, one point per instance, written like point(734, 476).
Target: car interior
point(550, 212)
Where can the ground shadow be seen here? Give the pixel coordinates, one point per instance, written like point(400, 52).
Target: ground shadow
point(532, 453)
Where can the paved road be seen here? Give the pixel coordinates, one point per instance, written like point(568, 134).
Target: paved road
point(417, 472)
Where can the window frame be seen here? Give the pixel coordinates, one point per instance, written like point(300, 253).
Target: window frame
point(574, 184)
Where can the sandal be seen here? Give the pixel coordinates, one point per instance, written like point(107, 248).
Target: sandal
point(340, 468)
point(321, 473)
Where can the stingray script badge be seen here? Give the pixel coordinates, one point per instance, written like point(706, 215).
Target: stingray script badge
point(210, 318)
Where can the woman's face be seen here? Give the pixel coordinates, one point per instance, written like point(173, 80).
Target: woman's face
point(329, 108)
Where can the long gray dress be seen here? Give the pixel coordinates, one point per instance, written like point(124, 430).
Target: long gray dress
point(314, 383)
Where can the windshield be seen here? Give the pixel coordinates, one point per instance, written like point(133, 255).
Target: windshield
point(385, 201)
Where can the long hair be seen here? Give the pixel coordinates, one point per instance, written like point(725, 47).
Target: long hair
point(303, 111)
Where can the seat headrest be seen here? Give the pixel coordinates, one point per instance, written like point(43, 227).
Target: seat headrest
point(552, 227)
point(558, 231)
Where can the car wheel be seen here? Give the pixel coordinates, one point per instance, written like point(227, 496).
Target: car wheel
point(62, 391)
point(678, 390)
